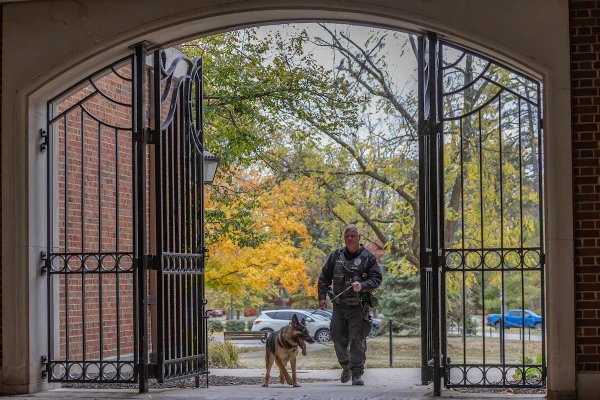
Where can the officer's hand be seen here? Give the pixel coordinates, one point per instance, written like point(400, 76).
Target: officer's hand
point(357, 286)
point(323, 304)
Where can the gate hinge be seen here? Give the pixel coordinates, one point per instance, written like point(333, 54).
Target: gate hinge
point(425, 259)
point(44, 257)
point(44, 145)
point(151, 136)
point(151, 261)
point(151, 300)
point(439, 128)
point(44, 366)
point(152, 371)
point(427, 374)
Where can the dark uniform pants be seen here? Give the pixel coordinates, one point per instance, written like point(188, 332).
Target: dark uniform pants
point(350, 327)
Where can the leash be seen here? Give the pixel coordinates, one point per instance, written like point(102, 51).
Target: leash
point(331, 301)
point(341, 293)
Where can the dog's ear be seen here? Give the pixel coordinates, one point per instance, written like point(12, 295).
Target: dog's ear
point(303, 322)
point(295, 320)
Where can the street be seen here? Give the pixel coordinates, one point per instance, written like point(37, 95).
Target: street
point(512, 334)
point(257, 343)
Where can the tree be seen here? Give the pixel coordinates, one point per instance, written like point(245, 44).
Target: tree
point(251, 273)
point(351, 129)
point(400, 299)
point(249, 83)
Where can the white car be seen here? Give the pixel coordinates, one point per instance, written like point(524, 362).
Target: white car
point(328, 314)
point(273, 320)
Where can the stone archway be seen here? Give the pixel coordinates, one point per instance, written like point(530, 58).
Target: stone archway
point(72, 38)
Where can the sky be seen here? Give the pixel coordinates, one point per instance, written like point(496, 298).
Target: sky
point(402, 67)
point(401, 62)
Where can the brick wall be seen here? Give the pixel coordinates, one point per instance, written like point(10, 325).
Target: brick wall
point(585, 82)
point(95, 215)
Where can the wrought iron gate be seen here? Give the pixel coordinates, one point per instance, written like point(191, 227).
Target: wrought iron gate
point(125, 220)
point(128, 246)
point(178, 158)
point(482, 228)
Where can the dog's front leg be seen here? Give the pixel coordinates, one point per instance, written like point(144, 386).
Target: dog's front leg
point(294, 377)
point(284, 372)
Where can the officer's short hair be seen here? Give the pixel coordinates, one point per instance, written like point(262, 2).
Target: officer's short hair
point(352, 227)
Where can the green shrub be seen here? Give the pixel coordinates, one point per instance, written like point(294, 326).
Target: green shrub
point(223, 354)
point(235, 325)
point(531, 373)
point(215, 326)
point(249, 324)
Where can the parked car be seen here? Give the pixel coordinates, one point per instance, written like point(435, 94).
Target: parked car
point(328, 313)
point(323, 313)
point(515, 319)
point(215, 313)
point(273, 320)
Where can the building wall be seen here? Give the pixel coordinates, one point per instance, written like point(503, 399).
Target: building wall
point(1, 19)
point(585, 91)
point(94, 172)
point(97, 218)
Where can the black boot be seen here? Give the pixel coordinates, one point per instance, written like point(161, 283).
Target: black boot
point(357, 380)
point(345, 375)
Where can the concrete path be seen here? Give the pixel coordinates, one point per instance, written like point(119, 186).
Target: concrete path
point(380, 383)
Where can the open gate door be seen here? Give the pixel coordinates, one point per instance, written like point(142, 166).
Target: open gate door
point(178, 158)
point(126, 211)
point(482, 254)
point(90, 262)
point(428, 217)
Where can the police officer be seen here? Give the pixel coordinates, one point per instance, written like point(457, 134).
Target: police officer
point(355, 273)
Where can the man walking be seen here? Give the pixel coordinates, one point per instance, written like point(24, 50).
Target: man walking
point(355, 273)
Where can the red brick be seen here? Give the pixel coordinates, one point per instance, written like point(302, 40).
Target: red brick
point(1, 21)
point(583, 39)
point(585, 92)
point(591, 367)
point(581, 4)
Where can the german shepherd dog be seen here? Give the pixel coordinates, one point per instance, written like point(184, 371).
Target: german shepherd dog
point(282, 346)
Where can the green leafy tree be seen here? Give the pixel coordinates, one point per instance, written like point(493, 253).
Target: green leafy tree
point(352, 129)
point(400, 299)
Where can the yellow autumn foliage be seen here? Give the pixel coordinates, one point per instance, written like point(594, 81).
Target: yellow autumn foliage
point(276, 262)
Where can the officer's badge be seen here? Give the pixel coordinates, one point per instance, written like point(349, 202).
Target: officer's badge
point(358, 261)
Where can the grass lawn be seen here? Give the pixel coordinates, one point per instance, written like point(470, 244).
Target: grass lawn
point(406, 353)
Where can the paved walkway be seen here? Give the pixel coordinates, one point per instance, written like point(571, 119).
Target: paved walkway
point(380, 383)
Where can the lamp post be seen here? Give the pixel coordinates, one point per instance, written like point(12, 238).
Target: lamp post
point(211, 162)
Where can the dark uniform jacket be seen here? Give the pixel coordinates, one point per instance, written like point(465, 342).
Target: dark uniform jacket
point(371, 277)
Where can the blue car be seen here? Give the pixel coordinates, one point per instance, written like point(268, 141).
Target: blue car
point(515, 319)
